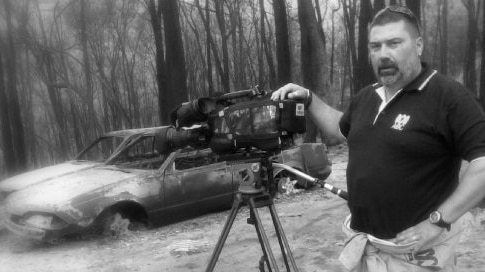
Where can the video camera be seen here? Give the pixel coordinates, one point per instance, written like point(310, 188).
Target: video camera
point(227, 123)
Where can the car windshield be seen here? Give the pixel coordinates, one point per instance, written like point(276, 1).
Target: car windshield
point(101, 149)
point(140, 152)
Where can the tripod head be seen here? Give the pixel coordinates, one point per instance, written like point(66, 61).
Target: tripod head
point(267, 183)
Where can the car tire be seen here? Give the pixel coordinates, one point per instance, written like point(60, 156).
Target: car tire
point(115, 223)
point(102, 225)
point(284, 179)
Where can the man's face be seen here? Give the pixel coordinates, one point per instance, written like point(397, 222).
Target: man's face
point(394, 54)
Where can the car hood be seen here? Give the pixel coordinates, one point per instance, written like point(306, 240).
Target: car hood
point(27, 179)
point(58, 193)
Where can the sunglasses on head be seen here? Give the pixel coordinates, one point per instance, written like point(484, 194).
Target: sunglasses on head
point(404, 11)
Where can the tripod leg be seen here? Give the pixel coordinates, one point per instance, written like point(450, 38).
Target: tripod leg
point(225, 232)
point(278, 234)
point(263, 239)
point(282, 239)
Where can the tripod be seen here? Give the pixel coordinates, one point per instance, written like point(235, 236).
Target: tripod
point(256, 197)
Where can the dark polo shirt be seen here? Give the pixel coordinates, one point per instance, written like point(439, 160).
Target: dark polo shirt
point(404, 161)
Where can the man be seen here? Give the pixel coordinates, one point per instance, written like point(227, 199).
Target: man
point(407, 135)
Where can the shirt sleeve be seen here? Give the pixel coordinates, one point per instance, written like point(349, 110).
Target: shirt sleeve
point(466, 119)
point(344, 123)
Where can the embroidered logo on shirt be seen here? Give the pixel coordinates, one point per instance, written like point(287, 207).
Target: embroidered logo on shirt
point(401, 121)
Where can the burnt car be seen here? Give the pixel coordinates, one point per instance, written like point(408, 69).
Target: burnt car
point(123, 173)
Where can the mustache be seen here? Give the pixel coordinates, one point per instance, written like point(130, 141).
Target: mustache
point(386, 64)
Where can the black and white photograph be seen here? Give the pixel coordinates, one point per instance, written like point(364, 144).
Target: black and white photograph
point(242, 135)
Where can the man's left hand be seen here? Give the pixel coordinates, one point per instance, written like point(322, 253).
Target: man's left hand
point(421, 234)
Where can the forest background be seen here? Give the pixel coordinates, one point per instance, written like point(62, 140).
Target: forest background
point(73, 69)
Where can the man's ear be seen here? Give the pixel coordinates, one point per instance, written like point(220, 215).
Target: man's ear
point(419, 45)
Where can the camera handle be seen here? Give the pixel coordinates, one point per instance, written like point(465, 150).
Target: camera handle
point(341, 193)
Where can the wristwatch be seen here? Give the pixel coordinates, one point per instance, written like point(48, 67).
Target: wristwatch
point(437, 219)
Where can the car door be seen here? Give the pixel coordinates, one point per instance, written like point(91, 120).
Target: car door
point(194, 184)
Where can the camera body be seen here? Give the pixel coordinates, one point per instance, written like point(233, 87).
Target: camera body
point(266, 125)
point(227, 126)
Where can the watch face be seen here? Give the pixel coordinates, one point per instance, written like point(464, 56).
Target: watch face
point(435, 217)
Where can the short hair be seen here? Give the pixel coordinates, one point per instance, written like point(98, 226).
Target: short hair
point(396, 13)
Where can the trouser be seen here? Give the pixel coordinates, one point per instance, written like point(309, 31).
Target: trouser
point(362, 255)
point(375, 260)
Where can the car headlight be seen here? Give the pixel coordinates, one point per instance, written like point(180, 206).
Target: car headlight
point(44, 221)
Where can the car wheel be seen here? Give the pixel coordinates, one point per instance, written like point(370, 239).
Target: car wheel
point(114, 224)
point(103, 225)
point(290, 183)
point(284, 180)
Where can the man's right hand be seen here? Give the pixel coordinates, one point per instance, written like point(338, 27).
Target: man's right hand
point(290, 91)
point(324, 117)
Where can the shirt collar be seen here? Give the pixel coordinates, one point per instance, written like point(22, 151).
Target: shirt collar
point(422, 79)
point(417, 84)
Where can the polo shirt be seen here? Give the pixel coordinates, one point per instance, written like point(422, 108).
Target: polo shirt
point(405, 156)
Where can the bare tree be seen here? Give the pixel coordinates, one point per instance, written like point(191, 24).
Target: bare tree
point(219, 6)
point(378, 5)
point(7, 144)
point(312, 57)
point(176, 92)
point(15, 117)
point(363, 74)
point(156, 22)
point(212, 44)
point(94, 126)
point(415, 7)
point(44, 53)
point(349, 7)
point(469, 72)
point(332, 50)
point(266, 46)
point(282, 42)
point(444, 37)
point(482, 68)
point(208, 49)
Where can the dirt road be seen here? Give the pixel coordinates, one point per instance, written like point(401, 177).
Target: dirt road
point(311, 219)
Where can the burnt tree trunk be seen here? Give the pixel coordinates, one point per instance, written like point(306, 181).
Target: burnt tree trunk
point(211, 42)
point(88, 78)
point(156, 22)
point(208, 49)
point(219, 7)
point(265, 44)
point(469, 72)
point(444, 38)
point(482, 68)
point(378, 5)
point(15, 117)
point(282, 42)
point(176, 91)
point(312, 57)
point(363, 74)
point(415, 7)
point(349, 19)
point(7, 141)
point(332, 50)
